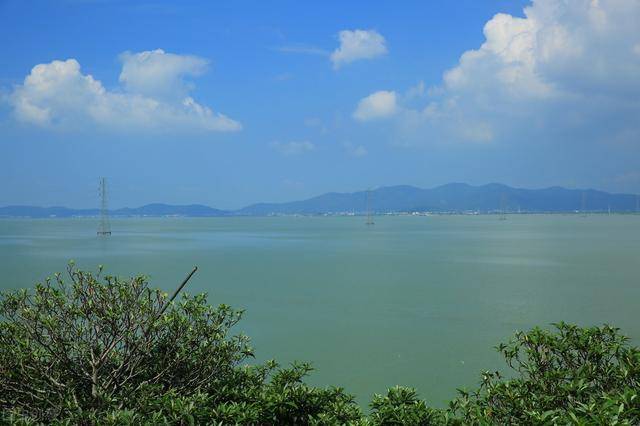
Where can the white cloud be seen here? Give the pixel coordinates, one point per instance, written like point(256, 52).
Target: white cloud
point(356, 45)
point(377, 105)
point(159, 74)
point(58, 95)
point(564, 67)
point(293, 148)
point(560, 49)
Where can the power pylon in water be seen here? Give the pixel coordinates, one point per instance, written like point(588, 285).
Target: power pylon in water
point(105, 226)
point(369, 221)
point(503, 207)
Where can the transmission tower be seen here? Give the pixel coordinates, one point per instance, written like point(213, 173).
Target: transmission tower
point(369, 221)
point(503, 207)
point(105, 227)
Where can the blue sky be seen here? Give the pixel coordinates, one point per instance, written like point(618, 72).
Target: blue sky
point(229, 103)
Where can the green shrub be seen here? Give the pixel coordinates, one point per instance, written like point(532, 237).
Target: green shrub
point(401, 406)
point(570, 375)
point(100, 349)
point(97, 349)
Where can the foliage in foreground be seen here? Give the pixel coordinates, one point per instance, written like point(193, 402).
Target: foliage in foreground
point(571, 375)
point(94, 349)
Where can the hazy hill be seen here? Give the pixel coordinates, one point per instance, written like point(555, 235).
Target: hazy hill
point(453, 197)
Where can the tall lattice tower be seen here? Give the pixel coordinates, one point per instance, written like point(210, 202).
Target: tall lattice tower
point(105, 226)
point(369, 221)
point(503, 207)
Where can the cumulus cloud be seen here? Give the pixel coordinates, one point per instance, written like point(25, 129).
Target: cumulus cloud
point(157, 73)
point(356, 45)
point(377, 105)
point(293, 148)
point(576, 47)
point(563, 66)
point(154, 96)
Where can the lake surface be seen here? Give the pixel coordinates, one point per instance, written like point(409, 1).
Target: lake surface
point(417, 301)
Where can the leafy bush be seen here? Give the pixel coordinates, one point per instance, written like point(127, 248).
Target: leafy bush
point(571, 375)
point(401, 406)
point(100, 349)
point(97, 349)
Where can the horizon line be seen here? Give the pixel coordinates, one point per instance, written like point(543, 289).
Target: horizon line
point(319, 195)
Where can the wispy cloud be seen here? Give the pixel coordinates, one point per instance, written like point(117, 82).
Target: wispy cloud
point(316, 123)
point(416, 91)
point(293, 148)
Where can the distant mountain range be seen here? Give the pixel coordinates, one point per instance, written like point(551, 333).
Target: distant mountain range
point(450, 198)
point(156, 209)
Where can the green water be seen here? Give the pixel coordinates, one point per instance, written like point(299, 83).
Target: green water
point(418, 301)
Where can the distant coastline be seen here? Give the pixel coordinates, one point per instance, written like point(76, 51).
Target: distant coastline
point(453, 198)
